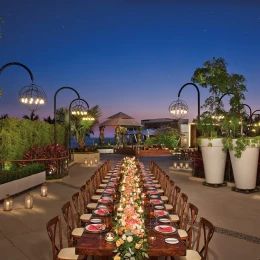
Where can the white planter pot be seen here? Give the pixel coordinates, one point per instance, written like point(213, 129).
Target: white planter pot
point(245, 168)
point(214, 160)
point(14, 187)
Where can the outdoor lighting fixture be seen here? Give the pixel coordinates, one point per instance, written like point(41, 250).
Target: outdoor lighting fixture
point(44, 190)
point(89, 118)
point(32, 96)
point(186, 165)
point(86, 161)
point(8, 203)
point(175, 165)
point(178, 109)
point(28, 201)
point(79, 107)
point(96, 160)
point(91, 162)
point(181, 165)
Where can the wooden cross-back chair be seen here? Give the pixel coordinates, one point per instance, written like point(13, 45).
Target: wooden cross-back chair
point(178, 217)
point(172, 203)
point(73, 232)
point(205, 231)
point(55, 234)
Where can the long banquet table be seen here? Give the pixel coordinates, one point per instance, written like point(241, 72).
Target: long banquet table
point(95, 244)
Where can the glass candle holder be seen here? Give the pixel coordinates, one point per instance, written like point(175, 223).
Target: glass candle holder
point(96, 160)
point(28, 201)
point(86, 161)
point(175, 165)
point(8, 203)
point(44, 190)
point(109, 237)
point(181, 165)
point(186, 165)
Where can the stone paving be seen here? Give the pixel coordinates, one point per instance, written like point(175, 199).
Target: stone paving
point(23, 234)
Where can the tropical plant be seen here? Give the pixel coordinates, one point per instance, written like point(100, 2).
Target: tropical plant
point(81, 128)
point(32, 116)
point(4, 116)
point(49, 120)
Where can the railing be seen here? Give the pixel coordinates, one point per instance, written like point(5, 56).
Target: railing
point(54, 167)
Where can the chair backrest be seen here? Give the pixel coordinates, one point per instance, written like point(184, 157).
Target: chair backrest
point(181, 206)
point(174, 197)
point(84, 197)
point(55, 234)
point(206, 229)
point(68, 215)
point(189, 220)
point(77, 202)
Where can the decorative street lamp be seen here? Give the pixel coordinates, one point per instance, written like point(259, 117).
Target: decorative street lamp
point(178, 109)
point(55, 129)
point(31, 96)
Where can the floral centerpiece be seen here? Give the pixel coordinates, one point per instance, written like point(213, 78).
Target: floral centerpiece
point(131, 236)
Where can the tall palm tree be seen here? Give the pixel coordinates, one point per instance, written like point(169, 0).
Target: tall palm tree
point(32, 116)
point(82, 128)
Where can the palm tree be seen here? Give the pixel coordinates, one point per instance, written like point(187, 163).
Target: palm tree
point(4, 116)
point(82, 128)
point(32, 116)
point(49, 120)
point(62, 115)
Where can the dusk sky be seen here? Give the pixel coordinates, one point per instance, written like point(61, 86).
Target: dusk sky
point(128, 56)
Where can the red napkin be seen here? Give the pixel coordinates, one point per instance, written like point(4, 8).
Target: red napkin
point(108, 191)
point(160, 212)
point(165, 229)
point(94, 227)
point(156, 201)
point(153, 192)
point(102, 211)
point(104, 200)
point(113, 179)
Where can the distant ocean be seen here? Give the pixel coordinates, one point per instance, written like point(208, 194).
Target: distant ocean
point(91, 141)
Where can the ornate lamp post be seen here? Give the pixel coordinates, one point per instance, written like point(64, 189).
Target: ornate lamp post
point(55, 96)
point(31, 96)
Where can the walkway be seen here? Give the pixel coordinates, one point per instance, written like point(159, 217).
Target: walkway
point(23, 233)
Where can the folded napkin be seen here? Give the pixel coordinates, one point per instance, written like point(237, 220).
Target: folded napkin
point(165, 229)
point(150, 184)
point(156, 201)
point(159, 212)
point(105, 200)
point(113, 179)
point(153, 192)
point(109, 191)
point(102, 211)
point(94, 227)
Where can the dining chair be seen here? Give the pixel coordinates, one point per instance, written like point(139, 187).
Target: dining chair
point(169, 188)
point(73, 232)
point(206, 230)
point(178, 217)
point(171, 206)
point(55, 234)
point(81, 217)
point(186, 228)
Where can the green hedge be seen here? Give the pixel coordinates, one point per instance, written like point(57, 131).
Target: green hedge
point(18, 136)
point(19, 173)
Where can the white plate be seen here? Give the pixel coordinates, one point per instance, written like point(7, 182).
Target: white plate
point(105, 212)
point(164, 220)
point(95, 230)
point(95, 220)
point(159, 207)
point(157, 228)
point(171, 240)
point(154, 196)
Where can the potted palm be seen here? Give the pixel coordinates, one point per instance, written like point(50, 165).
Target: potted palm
point(214, 76)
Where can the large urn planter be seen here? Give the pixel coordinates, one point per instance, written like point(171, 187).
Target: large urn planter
point(20, 185)
point(245, 168)
point(214, 161)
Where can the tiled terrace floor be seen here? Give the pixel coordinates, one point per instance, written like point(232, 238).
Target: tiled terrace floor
point(23, 233)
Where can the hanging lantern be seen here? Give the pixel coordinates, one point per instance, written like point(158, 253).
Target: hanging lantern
point(8, 203)
point(28, 202)
point(86, 161)
point(178, 109)
point(96, 160)
point(44, 190)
